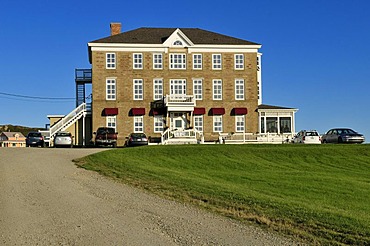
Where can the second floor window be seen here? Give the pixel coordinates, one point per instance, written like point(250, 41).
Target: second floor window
point(110, 60)
point(138, 89)
point(178, 87)
point(138, 61)
point(239, 61)
point(157, 89)
point(177, 61)
point(110, 89)
point(239, 89)
point(197, 89)
point(217, 89)
point(197, 61)
point(216, 62)
point(157, 61)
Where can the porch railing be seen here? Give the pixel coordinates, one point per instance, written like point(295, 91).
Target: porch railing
point(179, 100)
point(181, 135)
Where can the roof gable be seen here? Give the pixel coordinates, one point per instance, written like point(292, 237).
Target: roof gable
point(178, 39)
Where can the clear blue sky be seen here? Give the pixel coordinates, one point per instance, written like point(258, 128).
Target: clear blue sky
point(316, 54)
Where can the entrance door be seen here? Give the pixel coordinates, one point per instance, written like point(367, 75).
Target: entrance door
point(178, 121)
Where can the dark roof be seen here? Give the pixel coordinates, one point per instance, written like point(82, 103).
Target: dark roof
point(265, 106)
point(147, 35)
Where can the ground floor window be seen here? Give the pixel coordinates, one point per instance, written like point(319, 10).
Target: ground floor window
point(138, 124)
point(158, 123)
point(271, 124)
point(239, 123)
point(217, 123)
point(111, 121)
point(198, 123)
point(285, 124)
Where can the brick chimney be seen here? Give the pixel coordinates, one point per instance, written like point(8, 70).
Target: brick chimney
point(115, 28)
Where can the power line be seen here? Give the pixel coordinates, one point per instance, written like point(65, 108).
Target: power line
point(36, 97)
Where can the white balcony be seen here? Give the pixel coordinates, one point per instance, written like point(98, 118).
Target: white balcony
point(179, 102)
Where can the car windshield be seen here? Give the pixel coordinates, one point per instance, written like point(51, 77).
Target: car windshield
point(138, 135)
point(348, 131)
point(63, 134)
point(106, 131)
point(312, 134)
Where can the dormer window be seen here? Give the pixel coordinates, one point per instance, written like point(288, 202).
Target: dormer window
point(177, 42)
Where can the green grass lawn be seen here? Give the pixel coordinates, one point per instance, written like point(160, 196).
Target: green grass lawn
point(318, 193)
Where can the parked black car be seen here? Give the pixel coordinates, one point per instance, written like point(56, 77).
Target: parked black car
point(105, 136)
point(342, 135)
point(35, 139)
point(136, 139)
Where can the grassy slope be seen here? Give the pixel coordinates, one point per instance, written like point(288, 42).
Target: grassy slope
point(320, 193)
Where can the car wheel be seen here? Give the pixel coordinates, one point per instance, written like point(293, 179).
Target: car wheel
point(324, 142)
point(340, 140)
point(114, 145)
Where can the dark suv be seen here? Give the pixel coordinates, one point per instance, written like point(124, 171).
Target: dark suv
point(35, 139)
point(105, 136)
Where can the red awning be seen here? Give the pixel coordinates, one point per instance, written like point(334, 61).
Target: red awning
point(218, 111)
point(240, 111)
point(110, 111)
point(138, 111)
point(199, 111)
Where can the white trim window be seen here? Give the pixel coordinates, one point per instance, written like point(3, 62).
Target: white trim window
point(110, 89)
point(178, 87)
point(137, 61)
point(198, 122)
point(158, 123)
point(177, 61)
point(198, 89)
point(239, 123)
point(239, 89)
point(110, 60)
point(138, 123)
point(216, 61)
point(111, 121)
point(157, 89)
point(217, 123)
point(217, 89)
point(197, 61)
point(157, 61)
point(239, 61)
point(138, 89)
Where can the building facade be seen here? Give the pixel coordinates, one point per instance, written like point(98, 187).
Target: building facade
point(153, 79)
point(12, 140)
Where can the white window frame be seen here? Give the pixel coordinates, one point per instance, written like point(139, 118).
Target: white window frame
point(217, 89)
point(157, 89)
point(239, 61)
point(198, 89)
point(110, 89)
point(217, 123)
point(138, 89)
point(157, 61)
point(177, 86)
point(240, 123)
point(178, 61)
point(239, 89)
point(158, 123)
point(198, 123)
point(110, 60)
point(137, 61)
point(197, 61)
point(139, 124)
point(111, 121)
point(216, 61)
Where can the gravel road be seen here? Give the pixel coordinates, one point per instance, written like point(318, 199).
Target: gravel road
point(46, 200)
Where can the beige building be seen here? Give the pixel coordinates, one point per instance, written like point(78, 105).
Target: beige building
point(179, 85)
point(12, 139)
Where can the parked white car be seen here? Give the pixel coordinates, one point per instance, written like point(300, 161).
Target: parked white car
point(307, 137)
point(63, 139)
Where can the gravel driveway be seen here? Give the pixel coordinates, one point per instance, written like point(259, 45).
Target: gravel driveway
point(46, 200)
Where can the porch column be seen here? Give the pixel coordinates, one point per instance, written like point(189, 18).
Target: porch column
point(83, 129)
point(191, 119)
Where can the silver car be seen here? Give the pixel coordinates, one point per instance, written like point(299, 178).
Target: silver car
point(342, 135)
point(307, 137)
point(63, 139)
